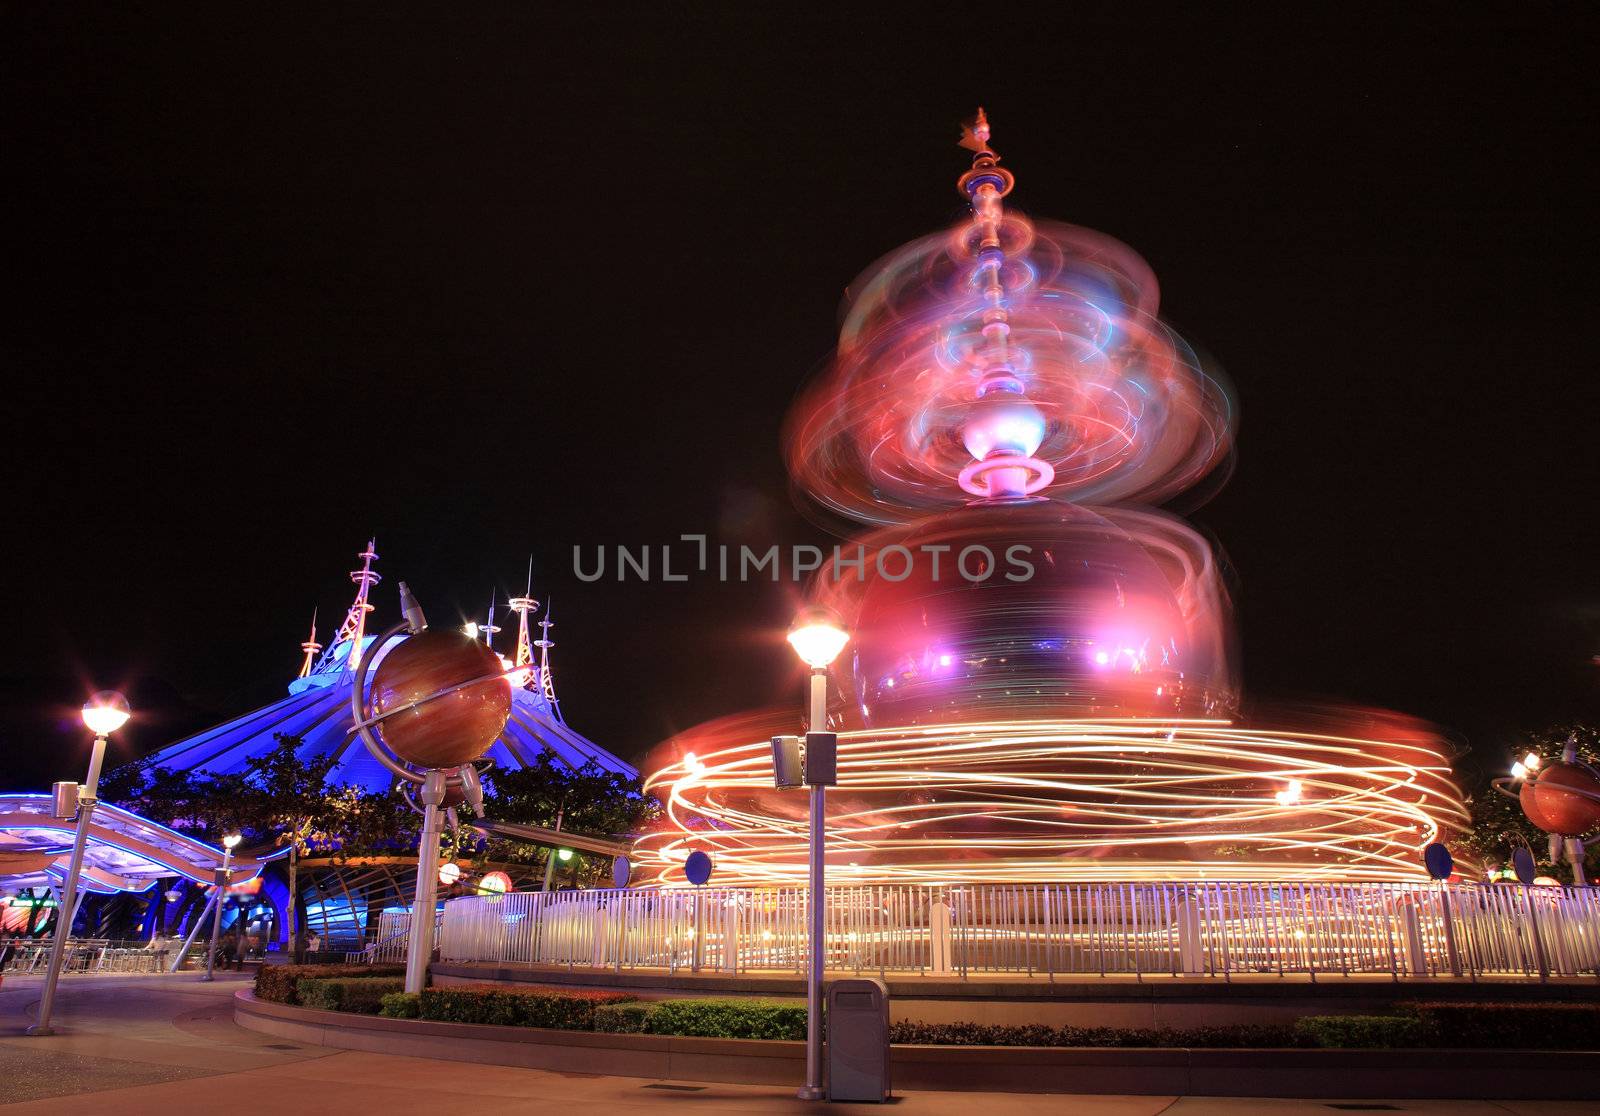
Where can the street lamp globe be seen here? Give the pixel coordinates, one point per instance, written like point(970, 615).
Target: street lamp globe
point(817, 636)
point(231, 841)
point(106, 712)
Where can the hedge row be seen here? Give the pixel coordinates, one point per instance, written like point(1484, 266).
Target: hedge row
point(401, 1005)
point(280, 984)
point(1546, 1026)
point(1495, 1026)
point(1041, 1034)
point(743, 1019)
point(1362, 1032)
point(559, 1008)
point(363, 994)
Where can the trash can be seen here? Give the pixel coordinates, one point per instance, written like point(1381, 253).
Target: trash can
point(858, 1040)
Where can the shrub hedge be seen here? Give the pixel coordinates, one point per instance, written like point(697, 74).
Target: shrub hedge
point(400, 1005)
point(1540, 1026)
point(363, 994)
point(559, 1008)
point(745, 1019)
point(1363, 1032)
point(279, 984)
point(1040, 1034)
point(623, 1019)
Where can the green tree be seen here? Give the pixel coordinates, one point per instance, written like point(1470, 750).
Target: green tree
point(288, 796)
point(589, 800)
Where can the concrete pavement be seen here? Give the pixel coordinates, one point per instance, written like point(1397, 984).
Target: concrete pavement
point(168, 1045)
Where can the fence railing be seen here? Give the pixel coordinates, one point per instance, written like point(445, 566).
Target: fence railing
point(1213, 929)
point(390, 939)
point(92, 955)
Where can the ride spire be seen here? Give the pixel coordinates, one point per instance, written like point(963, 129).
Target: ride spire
point(523, 606)
point(354, 629)
point(310, 647)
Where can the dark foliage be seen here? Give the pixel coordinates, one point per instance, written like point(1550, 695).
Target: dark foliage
point(1039, 1034)
point(1363, 1032)
point(1545, 1026)
point(363, 994)
point(279, 984)
point(742, 1019)
point(557, 1008)
point(401, 1005)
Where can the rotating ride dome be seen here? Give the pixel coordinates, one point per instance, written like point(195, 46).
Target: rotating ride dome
point(1039, 684)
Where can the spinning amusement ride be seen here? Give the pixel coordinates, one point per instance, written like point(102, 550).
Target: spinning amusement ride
point(1038, 685)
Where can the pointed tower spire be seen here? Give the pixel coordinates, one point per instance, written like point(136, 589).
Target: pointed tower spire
point(354, 628)
point(310, 647)
point(547, 682)
point(1004, 428)
point(522, 606)
point(488, 628)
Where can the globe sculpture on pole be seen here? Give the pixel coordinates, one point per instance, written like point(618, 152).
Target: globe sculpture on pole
point(1562, 798)
point(437, 701)
point(441, 697)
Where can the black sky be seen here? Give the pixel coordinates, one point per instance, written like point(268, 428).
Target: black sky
point(486, 283)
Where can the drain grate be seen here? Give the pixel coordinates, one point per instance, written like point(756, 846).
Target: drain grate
point(281, 1046)
point(1368, 1107)
point(676, 1088)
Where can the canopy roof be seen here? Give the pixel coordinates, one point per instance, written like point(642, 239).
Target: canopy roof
point(125, 852)
point(317, 711)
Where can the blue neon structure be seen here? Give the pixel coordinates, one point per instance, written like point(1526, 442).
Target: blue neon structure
point(317, 710)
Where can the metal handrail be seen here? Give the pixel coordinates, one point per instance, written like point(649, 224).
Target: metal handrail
point(1213, 929)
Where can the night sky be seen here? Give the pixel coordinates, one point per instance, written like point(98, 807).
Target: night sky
point(488, 286)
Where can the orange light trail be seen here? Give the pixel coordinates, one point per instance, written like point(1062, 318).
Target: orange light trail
point(1069, 799)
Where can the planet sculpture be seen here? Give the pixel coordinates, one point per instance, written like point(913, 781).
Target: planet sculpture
point(1563, 799)
point(440, 698)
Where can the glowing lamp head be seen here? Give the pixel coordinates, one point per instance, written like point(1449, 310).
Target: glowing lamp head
point(106, 712)
point(231, 841)
point(1531, 761)
point(1002, 422)
point(494, 885)
point(817, 636)
point(563, 855)
point(449, 873)
point(1519, 770)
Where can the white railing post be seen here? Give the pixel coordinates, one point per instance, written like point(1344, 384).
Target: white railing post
point(1191, 952)
point(939, 946)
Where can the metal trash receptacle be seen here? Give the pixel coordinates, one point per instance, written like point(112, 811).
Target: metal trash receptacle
point(858, 1040)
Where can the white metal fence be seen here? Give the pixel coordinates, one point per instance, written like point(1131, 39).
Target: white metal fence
point(1211, 929)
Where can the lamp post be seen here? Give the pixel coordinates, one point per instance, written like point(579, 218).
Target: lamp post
point(104, 714)
point(817, 637)
point(229, 843)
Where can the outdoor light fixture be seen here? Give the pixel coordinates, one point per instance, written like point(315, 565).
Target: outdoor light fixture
point(1518, 770)
point(229, 843)
point(449, 873)
point(1531, 761)
point(564, 855)
point(817, 636)
point(104, 713)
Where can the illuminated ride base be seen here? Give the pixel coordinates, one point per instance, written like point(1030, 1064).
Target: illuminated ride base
point(1057, 800)
point(1006, 391)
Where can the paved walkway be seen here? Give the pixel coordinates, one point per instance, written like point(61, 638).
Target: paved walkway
point(168, 1046)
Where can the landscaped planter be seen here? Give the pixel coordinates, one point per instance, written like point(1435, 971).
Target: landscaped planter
point(1119, 1070)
